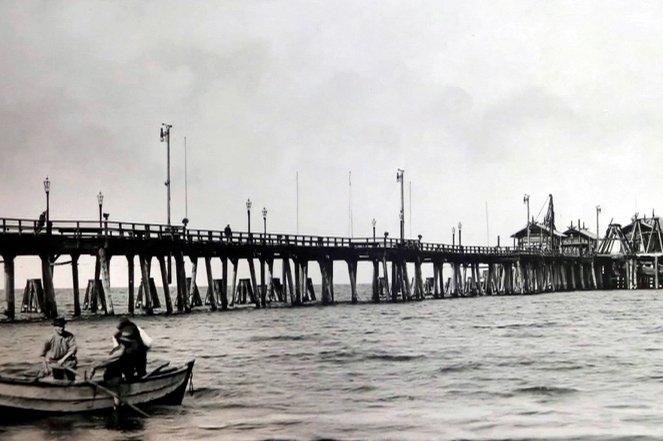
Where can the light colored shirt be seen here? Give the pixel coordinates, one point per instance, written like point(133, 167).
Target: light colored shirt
point(58, 345)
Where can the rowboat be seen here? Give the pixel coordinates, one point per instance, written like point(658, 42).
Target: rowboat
point(21, 396)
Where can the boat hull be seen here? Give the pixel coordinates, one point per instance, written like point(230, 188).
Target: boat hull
point(21, 397)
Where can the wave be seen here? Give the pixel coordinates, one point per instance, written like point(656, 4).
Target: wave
point(460, 367)
point(280, 338)
point(546, 390)
point(394, 357)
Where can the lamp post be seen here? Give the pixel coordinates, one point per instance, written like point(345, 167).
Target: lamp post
point(460, 231)
point(373, 224)
point(248, 213)
point(453, 236)
point(598, 236)
point(264, 220)
point(100, 199)
point(526, 201)
point(400, 177)
point(165, 136)
point(47, 189)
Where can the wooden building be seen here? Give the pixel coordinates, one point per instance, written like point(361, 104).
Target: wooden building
point(539, 237)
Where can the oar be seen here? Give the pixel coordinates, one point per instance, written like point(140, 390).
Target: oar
point(109, 392)
point(154, 371)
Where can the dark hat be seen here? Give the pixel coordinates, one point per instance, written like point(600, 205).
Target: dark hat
point(59, 321)
point(123, 322)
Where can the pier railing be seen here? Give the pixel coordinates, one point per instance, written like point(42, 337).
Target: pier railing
point(80, 229)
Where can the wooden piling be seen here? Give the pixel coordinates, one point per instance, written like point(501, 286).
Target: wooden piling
point(287, 283)
point(145, 283)
point(74, 279)
point(224, 288)
point(263, 286)
point(326, 281)
point(10, 288)
point(270, 276)
point(386, 274)
point(656, 285)
point(50, 305)
point(164, 281)
point(418, 280)
point(298, 283)
point(375, 293)
point(130, 286)
point(352, 272)
point(104, 262)
point(211, 289)
point(234, 285)
point(254, 283)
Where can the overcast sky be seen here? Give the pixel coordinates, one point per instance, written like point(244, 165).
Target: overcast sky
point(479, 101)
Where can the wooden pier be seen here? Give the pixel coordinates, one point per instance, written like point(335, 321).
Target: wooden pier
point(457, 271)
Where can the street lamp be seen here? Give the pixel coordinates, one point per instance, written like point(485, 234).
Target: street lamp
point(373, 223)
point(453, 236)
point(526, 201)
point(100, 199)
point(264, 220)
point(248, 213)
point(598, 236)
point(460, 231)
point(47, 189)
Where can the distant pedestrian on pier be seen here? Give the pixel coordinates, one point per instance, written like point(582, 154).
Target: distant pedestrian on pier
point(40, 222)
point(228, 232)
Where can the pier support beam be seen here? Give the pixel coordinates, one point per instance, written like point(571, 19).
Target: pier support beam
point(224, 286)
point(10, 287)
point(375, 297)
point(252, 271)
point(352, 272)
point(74, 279)
point(51, 308)
point(656, 272)
point(263, 285)
point(130, 284)
point(210, 282)
point(104, 262)
point(270, 276)
point(164, 282)
point(234, 284)
point(145, 283)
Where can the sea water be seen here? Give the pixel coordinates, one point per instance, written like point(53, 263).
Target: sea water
point(561, 366)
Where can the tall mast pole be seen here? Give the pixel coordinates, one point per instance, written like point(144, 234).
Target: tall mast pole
point(400, 178)
point(186, 190)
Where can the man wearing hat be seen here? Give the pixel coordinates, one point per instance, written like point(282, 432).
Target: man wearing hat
point(60, 351)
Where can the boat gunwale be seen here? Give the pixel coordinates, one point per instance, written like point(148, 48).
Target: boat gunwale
point(86, 383)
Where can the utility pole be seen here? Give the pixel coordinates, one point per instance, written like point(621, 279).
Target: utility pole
point(526, 201)
point(165, 136)
point(400, 177)
point(598, 235)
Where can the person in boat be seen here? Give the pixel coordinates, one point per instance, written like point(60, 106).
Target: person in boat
point(127, 360)
point(59, 352)
point(135, 332)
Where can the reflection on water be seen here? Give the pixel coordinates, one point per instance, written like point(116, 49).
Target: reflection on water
point(584, 365)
